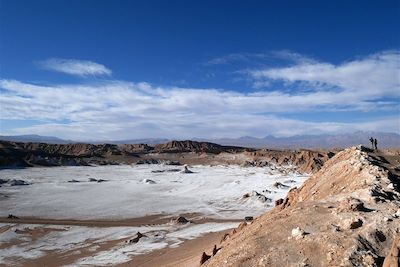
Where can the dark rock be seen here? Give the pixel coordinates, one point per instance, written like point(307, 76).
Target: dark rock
point(136, 239)
point(247, 195)
point(181, 220)
point(248, 218)
point(148, 181)
point(204, 258)
point(356, 224)
point(280, 185)
point(101, 180)
point(186, 170)
point(18, 182)
point(73, 181)
point(92, 180)
point(4, 181)
point(279, 202)
point(10, 216)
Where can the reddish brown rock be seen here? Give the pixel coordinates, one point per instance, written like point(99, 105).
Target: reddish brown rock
point(204, 258)
point(392, 259)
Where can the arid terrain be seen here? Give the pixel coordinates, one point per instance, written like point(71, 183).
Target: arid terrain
point(346, 213)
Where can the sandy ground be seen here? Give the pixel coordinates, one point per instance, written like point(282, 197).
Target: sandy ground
point(186, 254)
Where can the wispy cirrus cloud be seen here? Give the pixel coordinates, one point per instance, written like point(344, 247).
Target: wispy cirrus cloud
point(265, 57)
point(235, 57)
point(75, 67)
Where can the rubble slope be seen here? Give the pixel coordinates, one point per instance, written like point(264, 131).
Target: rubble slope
point(347, 214)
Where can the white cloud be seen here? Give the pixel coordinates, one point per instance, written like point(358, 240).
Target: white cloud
point(75, 67)
point(369, 78)
point(120, 110)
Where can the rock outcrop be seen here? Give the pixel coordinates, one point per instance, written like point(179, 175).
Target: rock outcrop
point(344, 215)
point(193, 146)
point(306, 160)
point(136, 148)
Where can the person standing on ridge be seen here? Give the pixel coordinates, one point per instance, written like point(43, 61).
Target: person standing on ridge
point(376, 144)
point(372, 142)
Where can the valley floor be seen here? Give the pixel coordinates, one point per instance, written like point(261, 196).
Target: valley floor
point(64, 216)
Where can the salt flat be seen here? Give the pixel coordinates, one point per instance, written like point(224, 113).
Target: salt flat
point(129, 191)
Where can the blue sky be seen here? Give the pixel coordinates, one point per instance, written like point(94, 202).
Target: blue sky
point(90, 70)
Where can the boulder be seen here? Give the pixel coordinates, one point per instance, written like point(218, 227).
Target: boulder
point(181, 220)
point(351, 223)
point(258, 196)
point(186, 170)
point(280, 185)
point(279, 201)
point(136, 239)
point(298, 233)
point(248, 218)
point(351, 204)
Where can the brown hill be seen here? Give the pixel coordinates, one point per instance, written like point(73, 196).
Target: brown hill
point(42, 154)
point(194, 146)
point(16, 154)
point(347, 214)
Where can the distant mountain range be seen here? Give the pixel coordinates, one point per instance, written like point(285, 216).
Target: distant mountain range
point(315, 141)
point(35, 138)
point(299, 141)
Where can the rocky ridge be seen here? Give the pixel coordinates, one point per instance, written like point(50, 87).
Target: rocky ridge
point(347, 214)
point(15, 154)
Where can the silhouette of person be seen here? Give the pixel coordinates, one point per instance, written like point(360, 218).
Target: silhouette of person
point(376, 144)
point(372, 142)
